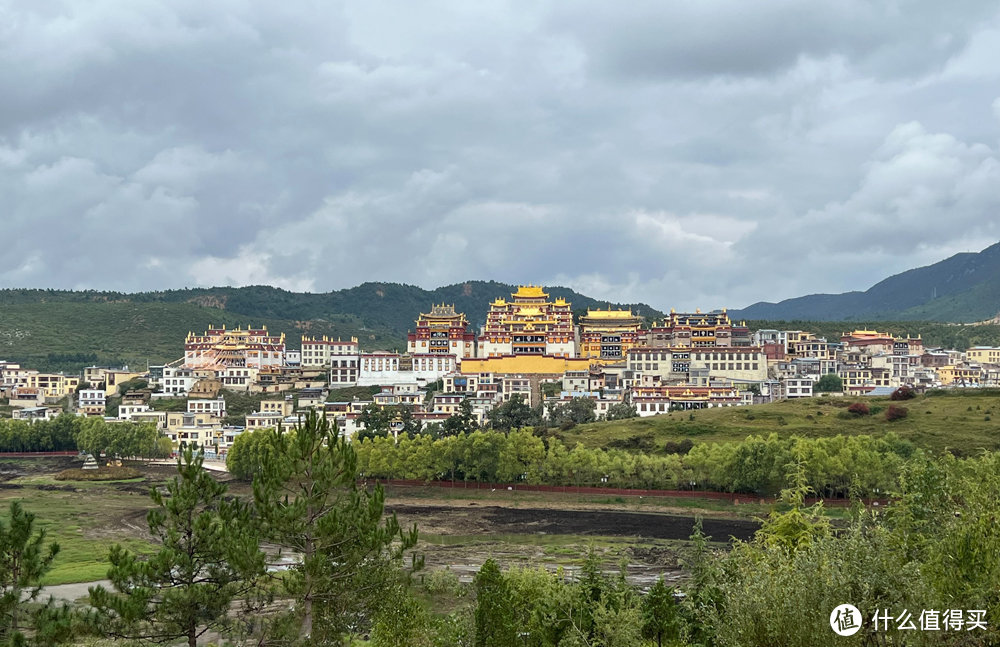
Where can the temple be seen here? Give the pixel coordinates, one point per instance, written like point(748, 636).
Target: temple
point(699, 330)
point(219, 348)
point(609, 334)
point(528, 324)
point(442, 330)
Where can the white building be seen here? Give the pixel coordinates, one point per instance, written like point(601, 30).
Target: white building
point(798, 387)
point(177, 381)
point(126, 411)
point(92, 401)
point(378, 369)
point(215, 407)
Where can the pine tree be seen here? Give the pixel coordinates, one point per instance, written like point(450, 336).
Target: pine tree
point(660, 616)
point(349, 556)
point(24, 560)
point(209, 557)
point(495, 622)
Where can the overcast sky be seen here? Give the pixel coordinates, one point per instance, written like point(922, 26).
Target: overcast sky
point(686, 154)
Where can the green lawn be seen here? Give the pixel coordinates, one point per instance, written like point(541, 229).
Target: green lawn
point(963, 421)
point(85, 524)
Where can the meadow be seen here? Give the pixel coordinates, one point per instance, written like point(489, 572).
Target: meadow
point(961, 421)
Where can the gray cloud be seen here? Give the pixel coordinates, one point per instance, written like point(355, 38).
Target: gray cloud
point(682, 154)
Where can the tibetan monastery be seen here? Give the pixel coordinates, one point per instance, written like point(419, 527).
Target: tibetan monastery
point(528, 324)
point(609, 334)
point(699, 330)
point(442, 330)
point(219, 348)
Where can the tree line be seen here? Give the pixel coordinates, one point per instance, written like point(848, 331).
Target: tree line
point(835, 466)
point(88, 434)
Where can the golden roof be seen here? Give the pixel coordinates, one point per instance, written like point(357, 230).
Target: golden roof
point(526, 364)
point(609, 314)
point(530, 312)
point(867, 333)
point(530, 292)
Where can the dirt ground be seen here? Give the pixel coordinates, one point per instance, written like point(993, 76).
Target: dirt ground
point(470, 518)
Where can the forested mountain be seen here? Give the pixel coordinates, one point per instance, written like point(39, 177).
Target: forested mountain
point(963, 288)
point(64, 329)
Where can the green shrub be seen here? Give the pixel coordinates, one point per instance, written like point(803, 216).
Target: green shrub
point(443, 581)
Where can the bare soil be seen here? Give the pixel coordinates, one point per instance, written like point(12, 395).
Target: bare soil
point(468, 518)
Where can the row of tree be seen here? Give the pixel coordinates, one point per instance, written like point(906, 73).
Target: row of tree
point(56, 435)
point(835, 466)
point(92, 435)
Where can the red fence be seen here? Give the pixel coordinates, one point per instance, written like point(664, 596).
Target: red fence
point(731, 497)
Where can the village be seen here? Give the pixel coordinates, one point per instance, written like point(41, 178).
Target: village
point(530, 348)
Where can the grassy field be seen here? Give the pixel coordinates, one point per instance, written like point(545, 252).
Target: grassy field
point(963, 421)
point(85, 522)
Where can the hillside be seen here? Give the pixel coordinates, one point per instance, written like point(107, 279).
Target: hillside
point(68, 335)
point(963, 288)
point(65, 330)
point(961, 421)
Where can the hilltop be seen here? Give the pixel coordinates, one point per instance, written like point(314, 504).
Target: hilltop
point(963, 288)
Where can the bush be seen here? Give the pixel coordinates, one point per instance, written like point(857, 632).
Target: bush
point(443, 581)
point(640, 443)
point(101, 474)
point(895, 413)
point(682, 447)
point(859, 409)
point(903, 393)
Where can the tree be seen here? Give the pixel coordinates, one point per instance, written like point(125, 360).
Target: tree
point(513, 414)
point(376, 421)
point(24, 559)
point(209, 557)
point(622, 411)
point(310, 504)
point(829, 383)
point(495, 626)
point(250, 451)
point(660, 617)
point(463, 422)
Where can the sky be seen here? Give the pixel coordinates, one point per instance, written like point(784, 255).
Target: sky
point(682, 154)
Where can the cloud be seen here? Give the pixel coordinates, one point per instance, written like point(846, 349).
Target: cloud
point(692, 155)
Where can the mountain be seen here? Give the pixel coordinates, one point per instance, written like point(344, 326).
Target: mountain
point(64, 329)
point(963, 288)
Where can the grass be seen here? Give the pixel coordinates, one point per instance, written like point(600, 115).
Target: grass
point(84, 525)
point(348, 394)
point(935, 422)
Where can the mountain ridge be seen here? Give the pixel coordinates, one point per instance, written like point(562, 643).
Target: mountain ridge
point(962, 288)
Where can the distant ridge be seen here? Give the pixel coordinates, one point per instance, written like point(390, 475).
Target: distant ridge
point(394, 306)
point(64, 329)
point(963, 288)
